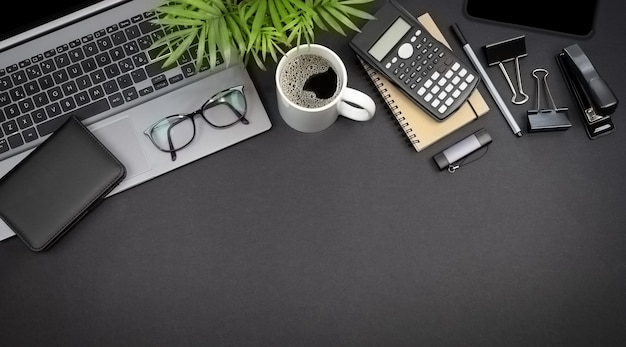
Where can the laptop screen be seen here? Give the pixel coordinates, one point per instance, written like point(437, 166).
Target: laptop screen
point(575, 18)
point(40, 13)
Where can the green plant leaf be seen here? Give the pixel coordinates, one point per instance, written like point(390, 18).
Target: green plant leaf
point(342, 18)
point(259, 18)
point(354, 12)
point(331, 21)
point(182, 47)
point(235, 30)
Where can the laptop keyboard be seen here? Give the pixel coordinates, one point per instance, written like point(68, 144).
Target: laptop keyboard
point(110, 68)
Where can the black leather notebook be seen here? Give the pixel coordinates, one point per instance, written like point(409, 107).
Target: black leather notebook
point(57, 184)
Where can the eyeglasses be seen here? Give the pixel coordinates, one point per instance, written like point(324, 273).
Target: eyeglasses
point(175, 132)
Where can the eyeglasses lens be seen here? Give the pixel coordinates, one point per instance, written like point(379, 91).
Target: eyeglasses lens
point(180, 129)
point(233, 108)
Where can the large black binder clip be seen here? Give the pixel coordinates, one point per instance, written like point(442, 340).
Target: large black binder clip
point(593, 96)
point(505, 51)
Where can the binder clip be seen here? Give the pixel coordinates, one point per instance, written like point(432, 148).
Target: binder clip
point(593, 96)
point(546, 119)
point(505, 51)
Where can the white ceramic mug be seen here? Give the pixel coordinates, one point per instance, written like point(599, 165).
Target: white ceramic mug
point(347, 102)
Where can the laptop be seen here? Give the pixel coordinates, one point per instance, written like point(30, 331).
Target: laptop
point(91, 59)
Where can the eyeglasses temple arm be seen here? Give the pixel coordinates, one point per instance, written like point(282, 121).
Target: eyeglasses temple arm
point(169, 141)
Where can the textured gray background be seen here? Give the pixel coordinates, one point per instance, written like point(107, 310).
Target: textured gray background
point(349, 237)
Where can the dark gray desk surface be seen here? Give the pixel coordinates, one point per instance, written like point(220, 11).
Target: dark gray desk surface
point(349, 237)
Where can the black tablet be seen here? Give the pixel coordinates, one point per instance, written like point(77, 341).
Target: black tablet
point(573, 18)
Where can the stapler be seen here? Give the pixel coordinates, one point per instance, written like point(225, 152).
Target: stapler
point(595, 99)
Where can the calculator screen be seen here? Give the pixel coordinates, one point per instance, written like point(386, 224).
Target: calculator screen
point(389, 39)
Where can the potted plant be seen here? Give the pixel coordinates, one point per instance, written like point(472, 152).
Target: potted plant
point(256, 29)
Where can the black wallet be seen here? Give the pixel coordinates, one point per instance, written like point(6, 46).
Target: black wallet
point(57, 184)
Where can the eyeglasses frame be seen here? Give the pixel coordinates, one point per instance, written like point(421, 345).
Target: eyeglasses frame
point(191, 115)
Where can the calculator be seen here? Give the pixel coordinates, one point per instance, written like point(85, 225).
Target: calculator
point(425, 69)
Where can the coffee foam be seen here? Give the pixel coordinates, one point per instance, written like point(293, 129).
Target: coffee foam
point(297, 72)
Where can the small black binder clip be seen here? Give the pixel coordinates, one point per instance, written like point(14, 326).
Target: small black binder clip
point(546, 119)
point(509, 50)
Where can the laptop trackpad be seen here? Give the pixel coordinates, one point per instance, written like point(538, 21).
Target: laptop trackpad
point(119, 137)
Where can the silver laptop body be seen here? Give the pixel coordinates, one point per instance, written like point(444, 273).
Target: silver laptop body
point(121, 120)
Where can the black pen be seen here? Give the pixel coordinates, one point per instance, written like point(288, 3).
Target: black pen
point(492, 89)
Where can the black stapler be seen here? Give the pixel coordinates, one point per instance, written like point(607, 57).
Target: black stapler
point(594, 97)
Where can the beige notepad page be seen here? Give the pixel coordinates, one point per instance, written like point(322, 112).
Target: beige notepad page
point(420, 128)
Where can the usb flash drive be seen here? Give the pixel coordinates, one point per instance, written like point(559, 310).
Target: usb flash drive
point(462, 148)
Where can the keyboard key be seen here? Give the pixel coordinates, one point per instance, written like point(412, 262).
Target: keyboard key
point(5, 83)
point(89, 65)
point(90, 49)
point(4, 100)
point(15, 140)
point(4, 146)
point(53, 110)
point(40, 99)
point(38, 116)
point(76, 54)
point(117, 53)
point(67, 104)
point(19, 77)
point(24, 121)
point(103, 59)
point(104, 43)
point(46, 82)
point(10, 127)
point(30, 135)
point(116, 100)
point(110, 87)
point(118, 38)
point(81, 98)
point(130, 94)
point(132, 32)
point(138, 75)
point(124, 81)
point(62, 60)
point(55, 93)
point(17, 93)
point(60, 76)
point(157, 68)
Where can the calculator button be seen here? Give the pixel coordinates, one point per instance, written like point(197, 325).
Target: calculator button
point(442, 109)
point(405, 51)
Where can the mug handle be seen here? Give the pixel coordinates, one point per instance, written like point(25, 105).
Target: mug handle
point(366, 106)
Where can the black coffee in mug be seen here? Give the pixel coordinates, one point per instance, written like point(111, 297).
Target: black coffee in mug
point(310, 81)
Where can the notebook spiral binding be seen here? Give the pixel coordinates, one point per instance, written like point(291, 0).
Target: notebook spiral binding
point(393, 108)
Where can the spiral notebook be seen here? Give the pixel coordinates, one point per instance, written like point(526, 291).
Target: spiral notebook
point(420, 128)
